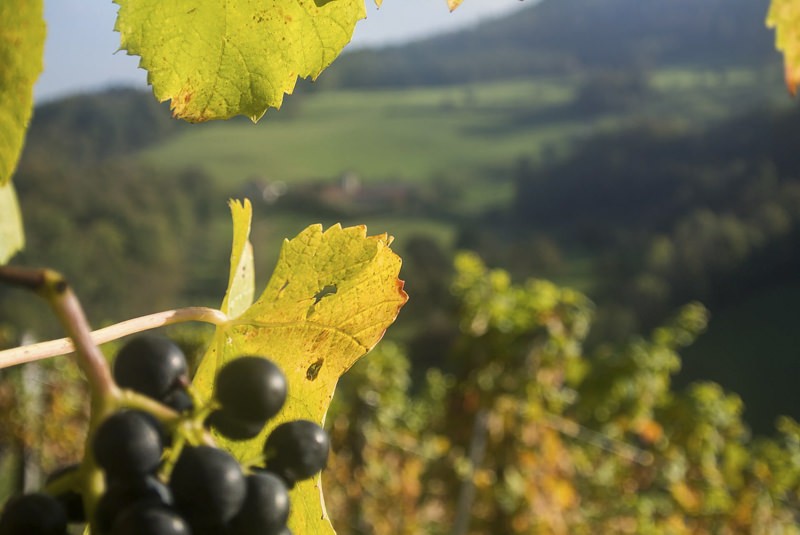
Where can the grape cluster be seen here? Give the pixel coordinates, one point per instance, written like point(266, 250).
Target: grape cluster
point(205, 490)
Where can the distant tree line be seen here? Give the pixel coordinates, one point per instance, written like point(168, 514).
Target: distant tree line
point(571, 36)
point(676, 215)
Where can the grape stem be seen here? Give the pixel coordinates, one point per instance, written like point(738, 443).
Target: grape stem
point(106, 396)
point(52, 286)
point(63, 346)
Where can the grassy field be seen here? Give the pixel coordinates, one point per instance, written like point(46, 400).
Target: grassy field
point(413, 134)
point(409, 135)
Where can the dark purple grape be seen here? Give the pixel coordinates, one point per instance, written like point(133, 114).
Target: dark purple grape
point(71, 500)
point(128, 445)
point(147, 519)
point(208, 486)
point(231, 427)
point(266, 507)
point(33, 514)
point(251, 388)
point(152, 365)
point(121, 495)
point(296, 450)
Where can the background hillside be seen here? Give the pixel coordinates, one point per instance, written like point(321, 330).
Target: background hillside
point(557, 37)
point(638, 151)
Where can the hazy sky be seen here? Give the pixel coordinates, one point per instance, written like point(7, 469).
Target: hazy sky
point(79, 52)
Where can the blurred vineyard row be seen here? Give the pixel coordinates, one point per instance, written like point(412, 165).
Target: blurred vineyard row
point(524, 433)
point(527, 433)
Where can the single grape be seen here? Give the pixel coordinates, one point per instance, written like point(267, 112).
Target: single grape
point(251, 388)
point(71, 500)
point(148, 519)
point(266, 507)
point(208, 485)
point(231, 427)
point(121, 495)
point(33, 514)
point(128, 445)
point(296, 450)
point(151, 365)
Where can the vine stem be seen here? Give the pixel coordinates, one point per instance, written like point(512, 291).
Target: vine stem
point(63, 346)
point(56, 290)
point(106, 396)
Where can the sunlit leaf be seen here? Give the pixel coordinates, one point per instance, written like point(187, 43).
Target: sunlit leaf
point(453, 4)
point(784, 16)
point(22, 34)
point(11, 236)
point(241, 282)
point(331, 297)
point(214, 60)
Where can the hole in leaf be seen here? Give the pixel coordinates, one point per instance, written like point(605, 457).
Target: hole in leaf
point(328, 289)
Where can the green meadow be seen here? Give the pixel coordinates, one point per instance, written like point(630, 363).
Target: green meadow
point(473, 133)
point(381, 135)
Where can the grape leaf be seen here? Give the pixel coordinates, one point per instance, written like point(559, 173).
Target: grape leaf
point(11, 236)
point(214, 60)
point(22, 34)
point(784, 16)
point(453, 4)
point(331, 297)
point(241, 282)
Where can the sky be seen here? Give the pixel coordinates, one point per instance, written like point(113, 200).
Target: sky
point(81, 44)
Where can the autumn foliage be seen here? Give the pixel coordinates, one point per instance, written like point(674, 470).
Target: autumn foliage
point(528, 433)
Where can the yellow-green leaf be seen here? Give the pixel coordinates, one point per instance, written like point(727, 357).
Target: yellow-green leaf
point(453, 4)
point(784, 16)
point(22, 34)
point(214, 59)
point(242, 281)
point(21, 47)
point(11, 236)
point(331, 297)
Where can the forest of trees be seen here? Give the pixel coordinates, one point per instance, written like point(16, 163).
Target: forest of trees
point(570, 36)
